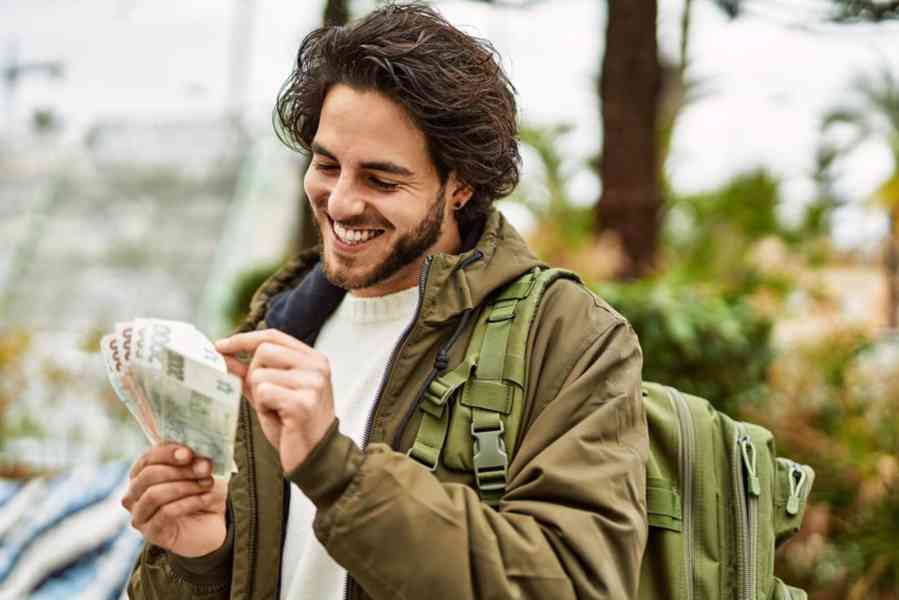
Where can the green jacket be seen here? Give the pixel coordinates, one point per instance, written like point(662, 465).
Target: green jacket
point(573, 521)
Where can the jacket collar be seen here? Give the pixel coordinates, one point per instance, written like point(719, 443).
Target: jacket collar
point(298, 299)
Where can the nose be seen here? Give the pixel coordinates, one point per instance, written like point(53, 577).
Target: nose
point(344, 201)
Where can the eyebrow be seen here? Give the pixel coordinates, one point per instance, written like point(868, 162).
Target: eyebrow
point(373, 165)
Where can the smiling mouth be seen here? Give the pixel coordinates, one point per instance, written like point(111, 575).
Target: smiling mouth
point(354, 237)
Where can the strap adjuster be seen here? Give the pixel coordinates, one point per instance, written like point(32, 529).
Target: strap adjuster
point(429, 458)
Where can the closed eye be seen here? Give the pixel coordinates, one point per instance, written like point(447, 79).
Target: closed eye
point(386, 186)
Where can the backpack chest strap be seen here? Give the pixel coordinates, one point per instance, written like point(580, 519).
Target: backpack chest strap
point(493, 371)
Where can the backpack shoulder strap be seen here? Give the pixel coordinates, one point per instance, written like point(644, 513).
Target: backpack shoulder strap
point(495, 364)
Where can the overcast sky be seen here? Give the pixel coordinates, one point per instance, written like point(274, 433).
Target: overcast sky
point(769, 81)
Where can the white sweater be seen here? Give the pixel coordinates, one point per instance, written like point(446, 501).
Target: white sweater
point(358, 340)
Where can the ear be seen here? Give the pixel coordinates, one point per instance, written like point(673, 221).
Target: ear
point(459, 192)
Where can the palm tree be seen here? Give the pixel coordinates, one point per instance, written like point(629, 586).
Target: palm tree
point(874, 115)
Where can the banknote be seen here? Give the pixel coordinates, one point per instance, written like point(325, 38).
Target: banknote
point(124, 343)
point(201, 406)
point(177, 386)
point(109, 346)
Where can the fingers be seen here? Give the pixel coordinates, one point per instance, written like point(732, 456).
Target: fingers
point(163, 454)
point(162, 520)
point(157, 474)
point(288, 404)
point(274, 356)
point(291, 379)
point(250, 341)
point(236, 367)
point(163, 495)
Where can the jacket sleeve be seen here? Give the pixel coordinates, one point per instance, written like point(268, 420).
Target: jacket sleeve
point(162, 575)
point(572, 523)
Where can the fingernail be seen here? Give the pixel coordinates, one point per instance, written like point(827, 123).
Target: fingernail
point(181, 455)
point(201, 468)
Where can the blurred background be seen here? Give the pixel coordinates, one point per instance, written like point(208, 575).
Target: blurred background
point(724, 172)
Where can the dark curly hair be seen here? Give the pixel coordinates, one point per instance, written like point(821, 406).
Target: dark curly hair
point(450, 83)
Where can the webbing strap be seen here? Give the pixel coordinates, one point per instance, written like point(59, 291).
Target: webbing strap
point(430, 439)
point(489, 395)
point(431, 436)
point(495, 364)
point(663, 505)
point(499, 326)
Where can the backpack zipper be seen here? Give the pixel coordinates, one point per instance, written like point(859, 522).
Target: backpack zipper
point(686, 452)
point(797, 482)
point(748, 491)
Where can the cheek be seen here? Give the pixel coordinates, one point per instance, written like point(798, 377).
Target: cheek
point(315, 187)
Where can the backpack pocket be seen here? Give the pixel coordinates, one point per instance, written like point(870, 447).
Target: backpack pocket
point(502, 402)
point(458, 452)
point(793, 482)
point(783, 591)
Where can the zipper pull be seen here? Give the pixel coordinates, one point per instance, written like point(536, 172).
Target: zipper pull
point(748, 452)
point(797, 480)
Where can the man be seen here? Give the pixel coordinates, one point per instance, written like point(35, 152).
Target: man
point(411, 126)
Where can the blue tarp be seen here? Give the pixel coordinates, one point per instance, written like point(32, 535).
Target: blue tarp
point(67, 537)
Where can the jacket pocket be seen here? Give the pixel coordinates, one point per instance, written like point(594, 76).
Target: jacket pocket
point(783, 591)
point(792, 486)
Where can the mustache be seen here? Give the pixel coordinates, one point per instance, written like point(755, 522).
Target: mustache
point(319, 208)
point(358, 223)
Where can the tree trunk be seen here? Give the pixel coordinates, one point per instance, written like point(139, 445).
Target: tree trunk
point(631, 200)
point(337, 12)
point(892, 270)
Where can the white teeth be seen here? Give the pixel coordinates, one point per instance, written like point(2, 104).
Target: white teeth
point(355, 236)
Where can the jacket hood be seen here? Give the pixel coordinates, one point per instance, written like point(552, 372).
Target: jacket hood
point(298, 298)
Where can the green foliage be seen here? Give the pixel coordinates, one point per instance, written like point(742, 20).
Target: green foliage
point(697, 341)
point(44, 120)
point(817, 219)
point(709, 232)
point(14, 344)
point(553, 203)
point(835, 405)
point(243, 289)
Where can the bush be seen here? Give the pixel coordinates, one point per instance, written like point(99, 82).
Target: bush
point(697, 341)
point(835, 406)
point(243, 289)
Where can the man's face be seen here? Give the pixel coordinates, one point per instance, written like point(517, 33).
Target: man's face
point(376, 194)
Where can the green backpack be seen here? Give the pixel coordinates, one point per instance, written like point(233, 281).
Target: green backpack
point(719, 500)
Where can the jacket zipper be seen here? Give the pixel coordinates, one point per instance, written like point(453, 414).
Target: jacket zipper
point(422, 284)
point(687, 450)
point(748, 491)
point(251, 479)
point(422, 278)
point(441, 363)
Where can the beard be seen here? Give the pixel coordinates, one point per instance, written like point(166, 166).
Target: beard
point(405, 249)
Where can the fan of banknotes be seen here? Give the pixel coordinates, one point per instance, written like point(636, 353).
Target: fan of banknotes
point(177, 386)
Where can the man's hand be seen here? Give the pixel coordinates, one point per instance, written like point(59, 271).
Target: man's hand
point(175, 503)
point(289, 385)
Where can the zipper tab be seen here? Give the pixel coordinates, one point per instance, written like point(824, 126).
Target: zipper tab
point(748, 452)
point(797, 480)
